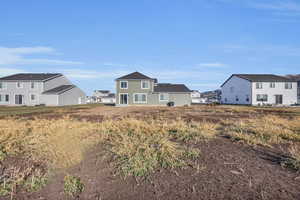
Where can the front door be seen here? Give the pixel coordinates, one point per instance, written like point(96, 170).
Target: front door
point(19, 99)
point(278, 99)
point(123, 99)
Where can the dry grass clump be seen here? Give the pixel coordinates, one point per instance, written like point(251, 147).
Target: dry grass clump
point(141, 147)
point(138, 146)
point(294, 161)
point(266, 131)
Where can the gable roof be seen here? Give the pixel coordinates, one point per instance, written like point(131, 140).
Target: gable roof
point(135, 76)
point(168, 87)
point(30, 77)
point(59, 90)
point(260, 78)
point(294, 77)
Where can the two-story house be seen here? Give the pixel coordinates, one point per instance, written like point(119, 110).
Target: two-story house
point(296, 77)
point(39, 89)
point(259, 89)
point(139, 89)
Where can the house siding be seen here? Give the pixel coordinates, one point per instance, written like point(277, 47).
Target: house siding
point(71, 97)
point(289, 95)
point(241, 88)
point(53, 83)
point(12, 90)
point(134, 87)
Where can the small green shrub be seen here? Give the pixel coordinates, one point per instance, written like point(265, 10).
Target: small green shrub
point(73, 185)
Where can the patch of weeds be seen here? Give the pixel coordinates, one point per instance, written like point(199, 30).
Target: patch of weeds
point(294, 161)
point(191, 154)
point(35, 182)
point(73, 185)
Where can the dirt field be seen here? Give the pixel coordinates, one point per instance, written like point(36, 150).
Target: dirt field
point(226, 168)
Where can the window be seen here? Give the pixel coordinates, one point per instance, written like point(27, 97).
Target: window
point(145, 84)
point(124, 84)
point(259, 86)
point(247, 98)
point(262, 97)
point(32, 97)
point(32, 85)
point(19, 85)
point(6, 98)
point(140, 98)
point(231, 89)
point(164, 97)
point(236, 98)
point(1, 85)
point(288, 86)
point(0, 97)
point(272, 85)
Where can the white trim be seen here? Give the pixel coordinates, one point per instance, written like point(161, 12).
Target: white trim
point(164, 94)
point(21, 85)
point(140, 102)
point(142, 84)
point(120, 99)
point(121, 84)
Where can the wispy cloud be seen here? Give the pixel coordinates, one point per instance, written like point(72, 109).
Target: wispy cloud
point(18, 56)
point(212, 65)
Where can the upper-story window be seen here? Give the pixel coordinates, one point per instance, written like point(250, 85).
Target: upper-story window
point(19, 85)
point(32, 85)
point(124, 84)
point(272, 85)
point(288, 86)
point(145, 84)
point(2, 85)
point(259, 85)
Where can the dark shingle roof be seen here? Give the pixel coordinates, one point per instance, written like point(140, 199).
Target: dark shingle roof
point(260, 78)
point(59, 90)
point(294, 77)
point(134, 75)
point(167, 87)
point(30, 77)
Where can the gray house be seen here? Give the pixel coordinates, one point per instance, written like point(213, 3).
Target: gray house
point(39, 88)
point(139, 89)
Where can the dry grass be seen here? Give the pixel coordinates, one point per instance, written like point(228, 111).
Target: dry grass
point(138, 146)
point(294, 161)
point(265, 131)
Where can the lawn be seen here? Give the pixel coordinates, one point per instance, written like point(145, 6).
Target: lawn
point(94, 151)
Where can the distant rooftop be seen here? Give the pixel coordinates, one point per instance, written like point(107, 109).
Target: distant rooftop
point(134, 75)
point(59, 90)
point(261, 78)
point(168, 87)
point(30, 77)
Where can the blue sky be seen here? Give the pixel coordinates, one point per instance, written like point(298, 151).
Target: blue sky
point(195, 42)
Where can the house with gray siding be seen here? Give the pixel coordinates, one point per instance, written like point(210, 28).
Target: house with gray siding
point(139, 89)
point(30, 89)
point(259, 89)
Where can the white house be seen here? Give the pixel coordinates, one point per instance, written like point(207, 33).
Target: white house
point(39, 88)
point(196, 96)
point(259, 89)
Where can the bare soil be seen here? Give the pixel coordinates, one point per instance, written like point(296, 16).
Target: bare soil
point(225, 169)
